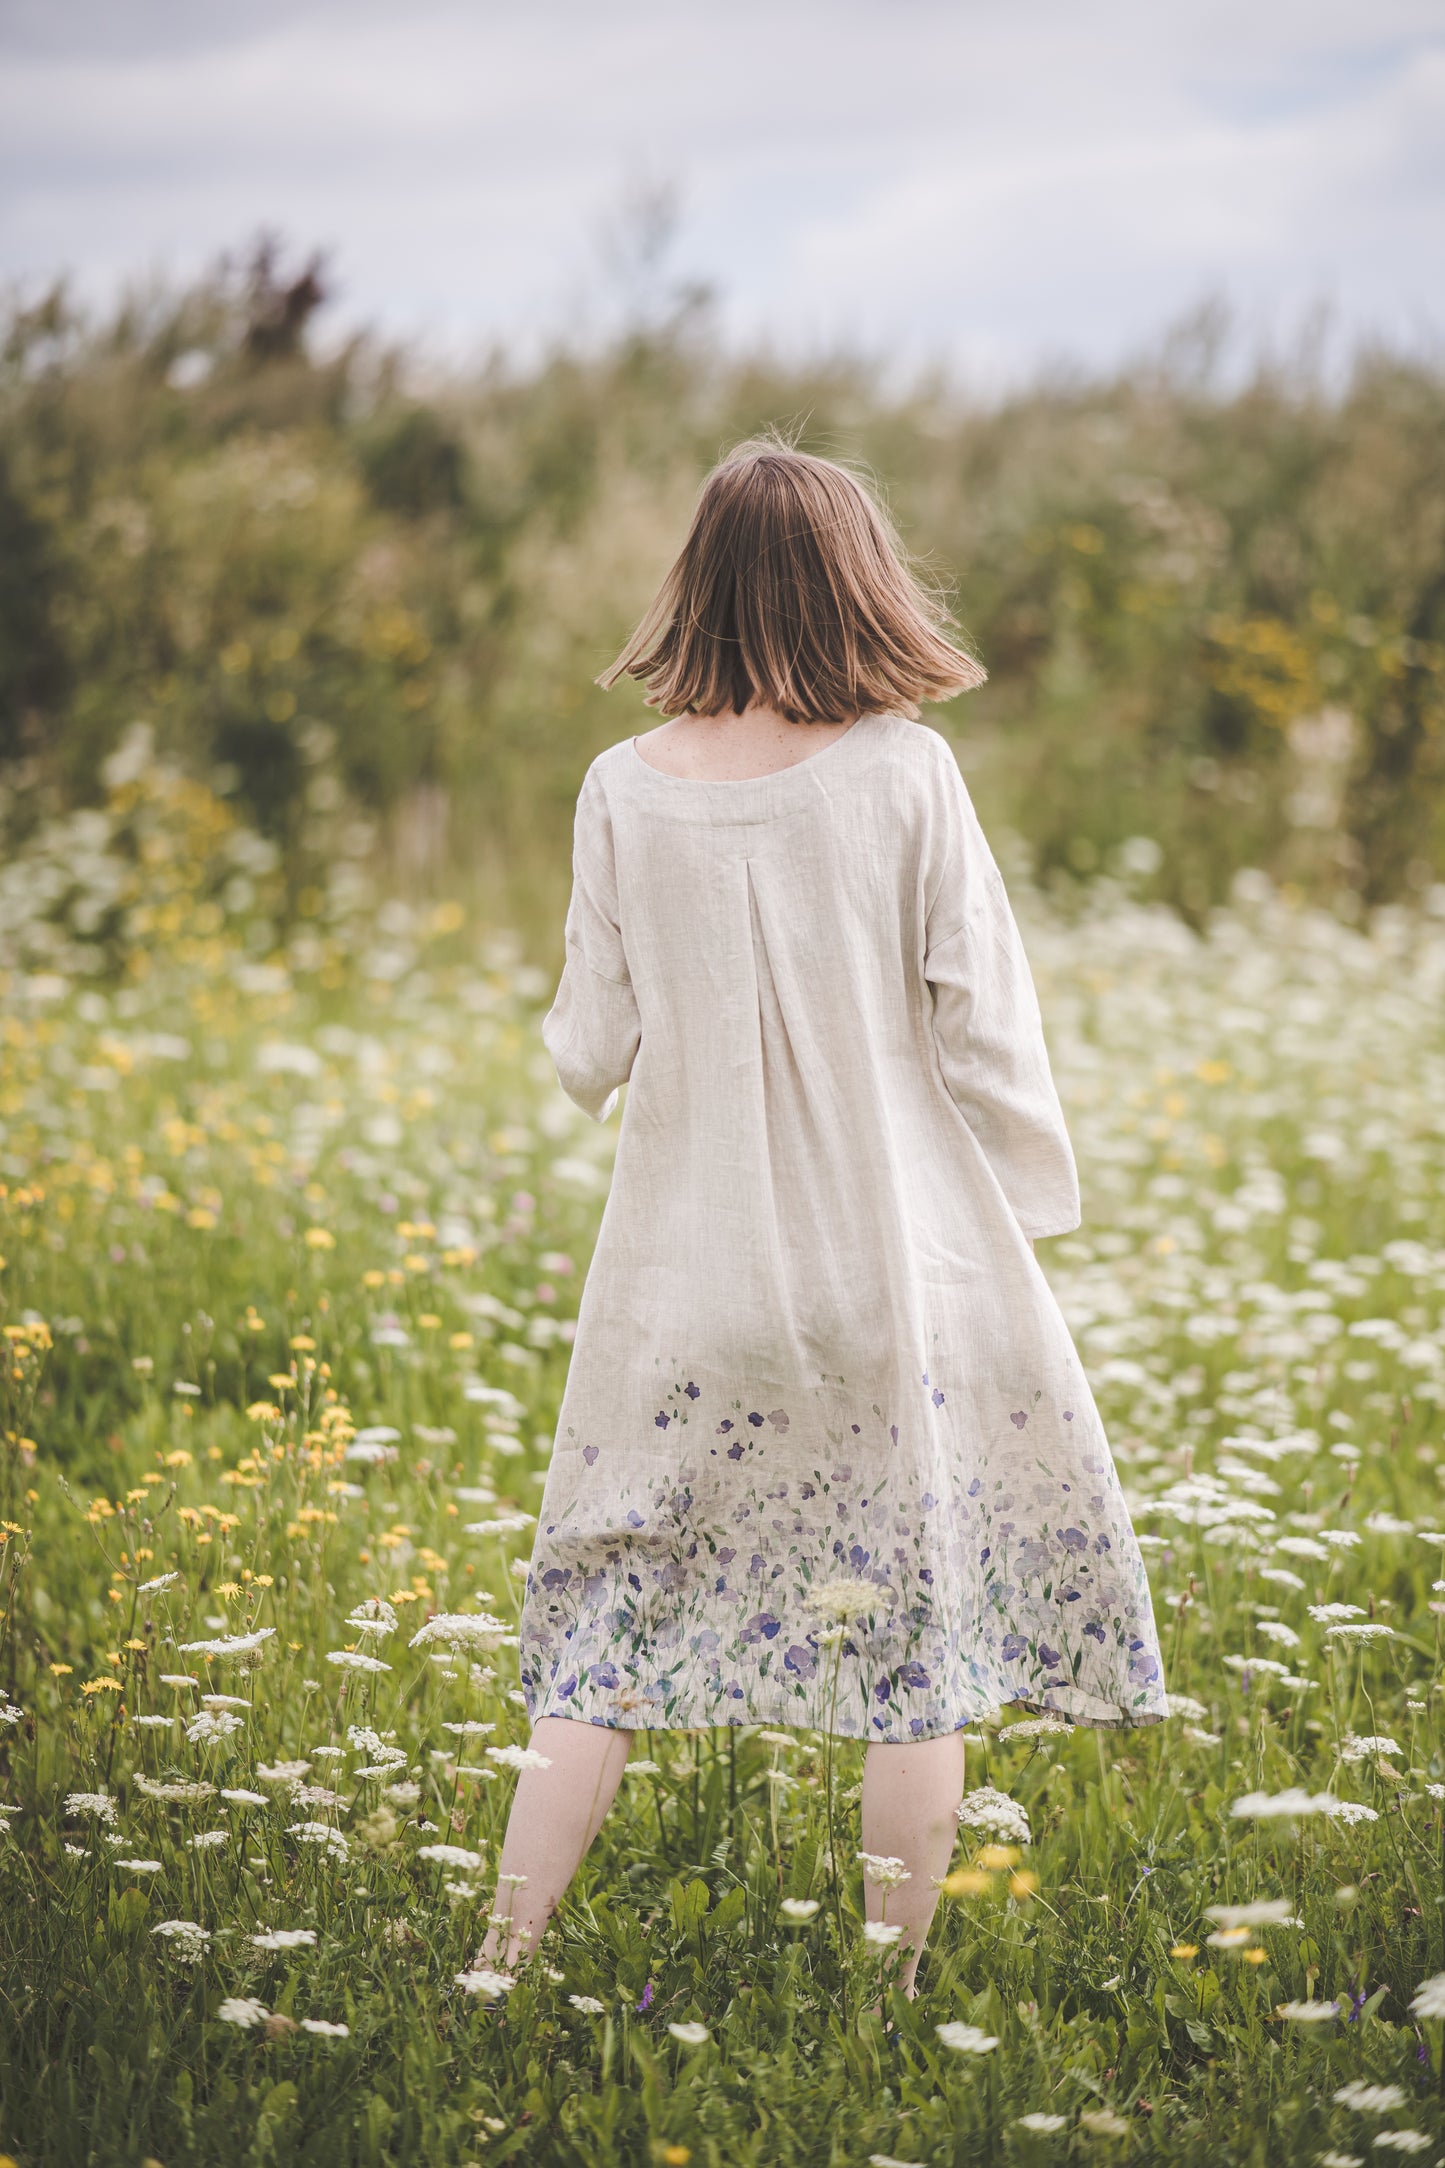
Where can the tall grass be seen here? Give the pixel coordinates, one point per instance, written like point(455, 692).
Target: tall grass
point(293, 1223)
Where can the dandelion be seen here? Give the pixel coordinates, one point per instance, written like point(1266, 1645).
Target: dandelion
point(965, 2039)
point(285, 1938)
point(1429, 1997)
point(799, 1909)
point(884, 1873)
point(690, 2033)
point(241, 2010)
point(187, 1940)
point(229, 1644)
point(519, 1757)
point(354, 1660)
point(325, 2027)
point(587, 2004)
point(985, 1808)
point(481, 1980)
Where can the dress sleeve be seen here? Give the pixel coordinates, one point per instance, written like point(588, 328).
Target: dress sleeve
point(592, 1030)
point(986, 1021)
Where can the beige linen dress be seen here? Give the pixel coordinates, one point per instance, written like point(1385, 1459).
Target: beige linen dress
point(815, 1352)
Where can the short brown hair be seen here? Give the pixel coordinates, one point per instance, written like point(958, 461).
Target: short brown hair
point(792, 589)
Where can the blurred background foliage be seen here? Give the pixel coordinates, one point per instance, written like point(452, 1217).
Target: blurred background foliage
point(358, 609)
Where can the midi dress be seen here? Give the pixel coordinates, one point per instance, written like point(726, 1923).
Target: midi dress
point(826, 1456)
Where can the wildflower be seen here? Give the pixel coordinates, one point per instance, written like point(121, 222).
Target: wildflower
point(1306, 2013)
point(519, 1757)
point(483, 1981)
point(798, 1909)
point(691, 2034)
point(1104, 2123)
point(587, 2004)
point(1372, 1630)
point(1429, 1997)
point(643, 1768)
point(401, 1795)
point(212, 1724)
point(1350, 1811)
point(843, 1600)
point(229, 1644)
point(1272, 1806)
point(98, 1805)
point(1325, 1612)
point(1263, 1912)
point(1047, 1727)
point(460, 1630)
point(154, 1587)
point(319, 1833)
point(285, 1772)
point(325, 2026)
point(965, 2039)
point(188, 1941)
point(985, 1808)
point(471, 1729)
point(178, 1793)
point(138, 1866)
point(240, 1798)
point(285, 1938)
point(506, 1524)
point(354, 1660)
point(178, 1678)
point(1044, 2124)
point(153, 1723)
point(451, 1855)
point(879, 1936)
point(1370, 2099)
point(373, 1615)
point(207, 1840)
point(884, 1873)
point(1402, 2141)
point(1354, 1747)
point(241, 2010)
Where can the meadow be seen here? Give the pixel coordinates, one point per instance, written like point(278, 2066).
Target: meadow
point(293, 1219)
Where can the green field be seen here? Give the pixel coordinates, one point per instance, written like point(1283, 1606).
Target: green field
point(294, 1219)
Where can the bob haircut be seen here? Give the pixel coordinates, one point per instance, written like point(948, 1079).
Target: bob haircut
point(794, 590)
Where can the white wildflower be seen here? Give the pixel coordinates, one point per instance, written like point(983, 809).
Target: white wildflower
point(987, 1809)
point(481, 1980)
point(844, 1599)
point(240, 1798)
point(373, 1615)
point(1370, 2099)
point(798, 1909)
point(138, 1866)
point(883, 1872)
point(241, 2010)
point(354, 1660)
point(229, 1644)
point(460, 1630)
point(690, 2033)
point(187, 1940)
point(1356, 1747)
point(326, 2028)
point(1429, 1997)
point(98, 1805)
point(207, 1840)
point(285, 1938)
point(212, 1724)
point(178, 1791)
point(283, 1772)
point(1263, 1912)
point(965, 2039)
point(519, 1757)
point(1306, 2013)
point(879, 1935)
point(588, 2005)
point(154, 1586)
point(451, 1855)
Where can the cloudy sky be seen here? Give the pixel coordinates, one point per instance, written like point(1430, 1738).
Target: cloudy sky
point(1002, 183)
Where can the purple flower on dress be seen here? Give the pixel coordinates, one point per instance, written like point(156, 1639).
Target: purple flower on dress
point(1014, 1646)
point(762, 1626)
point(635, 1519)
point(1074, 1539)
point(937, 1397)
point(975, 1486)
point(605, 1675)
point(1068, 1415)
point(893, 1432)
point(735, 1452)
point(692, 1390)
point(756, 1420)
point(1018, 1419)
point(913, 1676)
point(568, 1688)
point(1095, 1629)
point(662, 1418)
point(557, 1577)
point(1048, 1657)
point(778, 1418)
point(589, 1454)
point(882, 1691)
point(724, 1426)
point(801, 1661)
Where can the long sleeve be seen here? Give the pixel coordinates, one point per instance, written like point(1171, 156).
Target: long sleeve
point(592, 1030)
point(986, 1021)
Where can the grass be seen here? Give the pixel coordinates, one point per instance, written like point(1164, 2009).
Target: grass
point(292, 1244)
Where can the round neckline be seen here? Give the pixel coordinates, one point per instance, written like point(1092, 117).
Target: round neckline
point(750, 782)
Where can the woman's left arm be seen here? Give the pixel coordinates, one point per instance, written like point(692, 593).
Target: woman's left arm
point(593, 1030)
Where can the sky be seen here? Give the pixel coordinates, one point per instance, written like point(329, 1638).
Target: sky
point(1001, 186)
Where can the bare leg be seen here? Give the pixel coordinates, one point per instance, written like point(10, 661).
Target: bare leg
point(910, 1794)
point(556, 1812)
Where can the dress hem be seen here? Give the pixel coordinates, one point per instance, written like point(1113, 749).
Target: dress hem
point(1120, 1720)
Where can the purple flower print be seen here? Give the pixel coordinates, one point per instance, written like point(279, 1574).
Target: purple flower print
point(778, 1418)
point(692, 1390)
point(726, 1555)
point(1048, 1657)
point(883, 1691)
point(1073, 1539)
point(801, 1661)
point(605, 1675)
point(735, 1452)
point(893, 1432)
point(1068, 1415)
point(635, 1519)
point(662, 1418)
point(756, 1420)
point(568, 1688)
point(1018, 1418)
point(557, 1577)
point(762, 1626)
point(975, 1486)
point(1014, 1646)
point(928, 1501)
point(589, 1454)
point(913, 1676)
point(1096, 1630)
point(937, 1397)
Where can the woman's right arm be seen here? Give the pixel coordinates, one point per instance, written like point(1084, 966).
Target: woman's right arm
point(592, 1030)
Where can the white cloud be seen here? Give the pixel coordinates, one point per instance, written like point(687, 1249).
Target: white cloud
point(937, 175)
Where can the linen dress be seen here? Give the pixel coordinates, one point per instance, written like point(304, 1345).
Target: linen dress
point(819, 1378)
